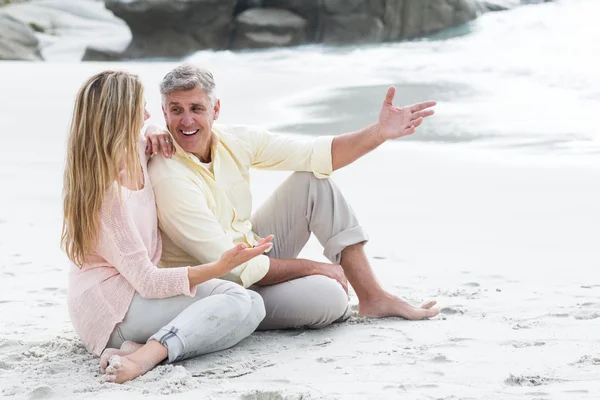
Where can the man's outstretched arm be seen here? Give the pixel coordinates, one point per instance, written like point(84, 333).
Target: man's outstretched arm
point(394, 122)
point(282, 270)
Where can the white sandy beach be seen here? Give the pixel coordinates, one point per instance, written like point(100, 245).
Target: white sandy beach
point(498, 203)
point(508, 249)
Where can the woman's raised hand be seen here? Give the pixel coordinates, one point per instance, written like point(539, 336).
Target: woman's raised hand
point(242, 253)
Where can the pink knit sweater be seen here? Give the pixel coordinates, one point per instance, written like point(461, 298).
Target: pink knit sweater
point(125, 262)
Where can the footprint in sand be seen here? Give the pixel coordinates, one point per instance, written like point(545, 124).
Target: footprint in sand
point(233, 370)
point(440, 359)
point(452, 310)
point(588, 359)
point(586, 316)
point(325, 360)
point(42, 392)
point(521, 345)
point(590, 304)
point(277, 395)
point(525, 325)
point(527, 380)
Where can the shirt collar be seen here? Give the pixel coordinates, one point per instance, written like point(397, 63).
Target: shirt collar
point(179, 151)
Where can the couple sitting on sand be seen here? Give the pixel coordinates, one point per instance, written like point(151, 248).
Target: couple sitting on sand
point(169, 263)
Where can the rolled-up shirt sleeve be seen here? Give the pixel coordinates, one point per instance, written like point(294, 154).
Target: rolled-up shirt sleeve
point(187, 220)
point(290, 153)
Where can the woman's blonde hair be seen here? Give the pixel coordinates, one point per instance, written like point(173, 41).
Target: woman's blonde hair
point(107, 119)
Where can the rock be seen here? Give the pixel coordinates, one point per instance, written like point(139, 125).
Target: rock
point(377, 8)
point(17, 40)
point(311, 10)
point(465, 11)
point(268, 27)
point(243, 5)
point(438, 17)
point(392, 19)
point(92, 54)
point(352, 28)
point(342, 6)
point(66, 28)
point(175, 28)
point(498, 5)
point(423, 17)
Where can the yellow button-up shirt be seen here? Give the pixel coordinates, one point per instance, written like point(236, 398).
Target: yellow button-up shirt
point(202, 214)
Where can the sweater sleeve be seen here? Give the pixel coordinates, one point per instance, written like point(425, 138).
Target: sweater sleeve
point(120, 244)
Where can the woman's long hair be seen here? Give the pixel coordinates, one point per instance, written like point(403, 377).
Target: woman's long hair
point(107, 119)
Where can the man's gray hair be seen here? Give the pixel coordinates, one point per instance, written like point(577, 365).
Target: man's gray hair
point(188, 77)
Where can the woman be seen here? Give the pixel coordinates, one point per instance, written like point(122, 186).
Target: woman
point(120, 303)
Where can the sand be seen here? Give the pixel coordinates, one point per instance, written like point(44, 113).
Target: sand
point(507, 248)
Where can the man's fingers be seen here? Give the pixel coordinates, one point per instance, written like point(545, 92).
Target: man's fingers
point(389, 97)
point(417, 122)
point(421, 114)
point(422, 106)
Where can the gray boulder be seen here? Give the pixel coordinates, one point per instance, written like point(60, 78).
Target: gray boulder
point(175, 28)
point(498, 5)
point(342, 6)
point(352, 28)
point(17, 40)
point(393, 19)
point(423, 17)
point(310, 10)
point(65, 28)
point(93, 54)
point(243, 5)
point(268, 27)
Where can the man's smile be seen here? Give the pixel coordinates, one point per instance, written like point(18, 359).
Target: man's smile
point(188, 133)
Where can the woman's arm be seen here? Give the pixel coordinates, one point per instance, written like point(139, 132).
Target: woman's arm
point(228, 261)
point(121, 245)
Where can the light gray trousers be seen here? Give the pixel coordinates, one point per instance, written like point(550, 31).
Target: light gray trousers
point(300, 206)
point(220, 315)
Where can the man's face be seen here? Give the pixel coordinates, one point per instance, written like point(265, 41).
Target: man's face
point(189, 115)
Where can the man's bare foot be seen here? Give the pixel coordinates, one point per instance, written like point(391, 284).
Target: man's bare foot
point(121, 369)
point(388, 305)
point(127, 348)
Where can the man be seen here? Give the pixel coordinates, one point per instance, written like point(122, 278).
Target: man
point(204, 206)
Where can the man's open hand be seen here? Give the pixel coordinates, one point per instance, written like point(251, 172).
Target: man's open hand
point(395, 122)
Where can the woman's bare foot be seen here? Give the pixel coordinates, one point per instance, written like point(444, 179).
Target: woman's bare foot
point(388, 305)
point(121, 369)
point(127, 348)
point(126, 368)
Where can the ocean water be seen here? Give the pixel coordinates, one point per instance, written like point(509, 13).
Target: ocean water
point(522, 83)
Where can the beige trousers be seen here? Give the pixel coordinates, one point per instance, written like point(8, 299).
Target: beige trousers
point(300, 206)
